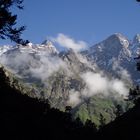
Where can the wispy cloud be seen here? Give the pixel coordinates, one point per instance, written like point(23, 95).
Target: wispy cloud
point(100, 84)
point(95, 81)
point(69, 43)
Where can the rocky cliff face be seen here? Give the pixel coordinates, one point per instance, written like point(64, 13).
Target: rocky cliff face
point(58, 90)
point(76, 79)
point(116, 55)
point(11, 80)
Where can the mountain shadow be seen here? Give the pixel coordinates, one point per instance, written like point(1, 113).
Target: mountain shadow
point(23, 118)
point(125, 127)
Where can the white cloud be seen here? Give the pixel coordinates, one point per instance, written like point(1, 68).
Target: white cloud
point(119, 87)
point(98, 84)
point(95, 83)
point(40, 67)
point(123, 73)
point(74, 98)
point(47, 66)
point(69, 43)
point(43, 66)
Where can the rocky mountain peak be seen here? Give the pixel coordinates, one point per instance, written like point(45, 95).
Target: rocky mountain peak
point(111, 47)
point(49, 45)
point(118, 40)
point(136, 39)
point(135, 46)
point(69, 56)
point(30, 48)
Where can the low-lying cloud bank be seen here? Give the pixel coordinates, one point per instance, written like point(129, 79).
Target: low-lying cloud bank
point(98, 84)
point(43, 66)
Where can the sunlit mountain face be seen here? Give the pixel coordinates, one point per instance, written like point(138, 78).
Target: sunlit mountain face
point(93, 82)
point(116, 55)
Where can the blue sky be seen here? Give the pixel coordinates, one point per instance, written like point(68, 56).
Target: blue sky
point(87, 20)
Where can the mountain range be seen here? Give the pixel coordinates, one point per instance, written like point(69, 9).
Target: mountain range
point(94, 82)
point(113, 55)
point(116, 55)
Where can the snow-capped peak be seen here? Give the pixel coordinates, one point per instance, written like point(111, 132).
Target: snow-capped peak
point(135, 46)
point(45, 48)
point(45, 42)
point(136, 39)
point(5, 48)
point(49, 45)
point(123, 40)
point(30, 44)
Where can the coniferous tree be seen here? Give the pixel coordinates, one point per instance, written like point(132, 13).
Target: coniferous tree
point(68, 109)
point(90, 126)
point(8, 21)
point(102, 120)
point(119, 110)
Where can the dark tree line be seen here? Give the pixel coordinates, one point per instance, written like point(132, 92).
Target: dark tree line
point(23, 118)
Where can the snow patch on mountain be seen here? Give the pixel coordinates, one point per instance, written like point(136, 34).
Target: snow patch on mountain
point(135, 47)
point(40, 49)
point(106, 67)
point(5, 48)
point(116, 49)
